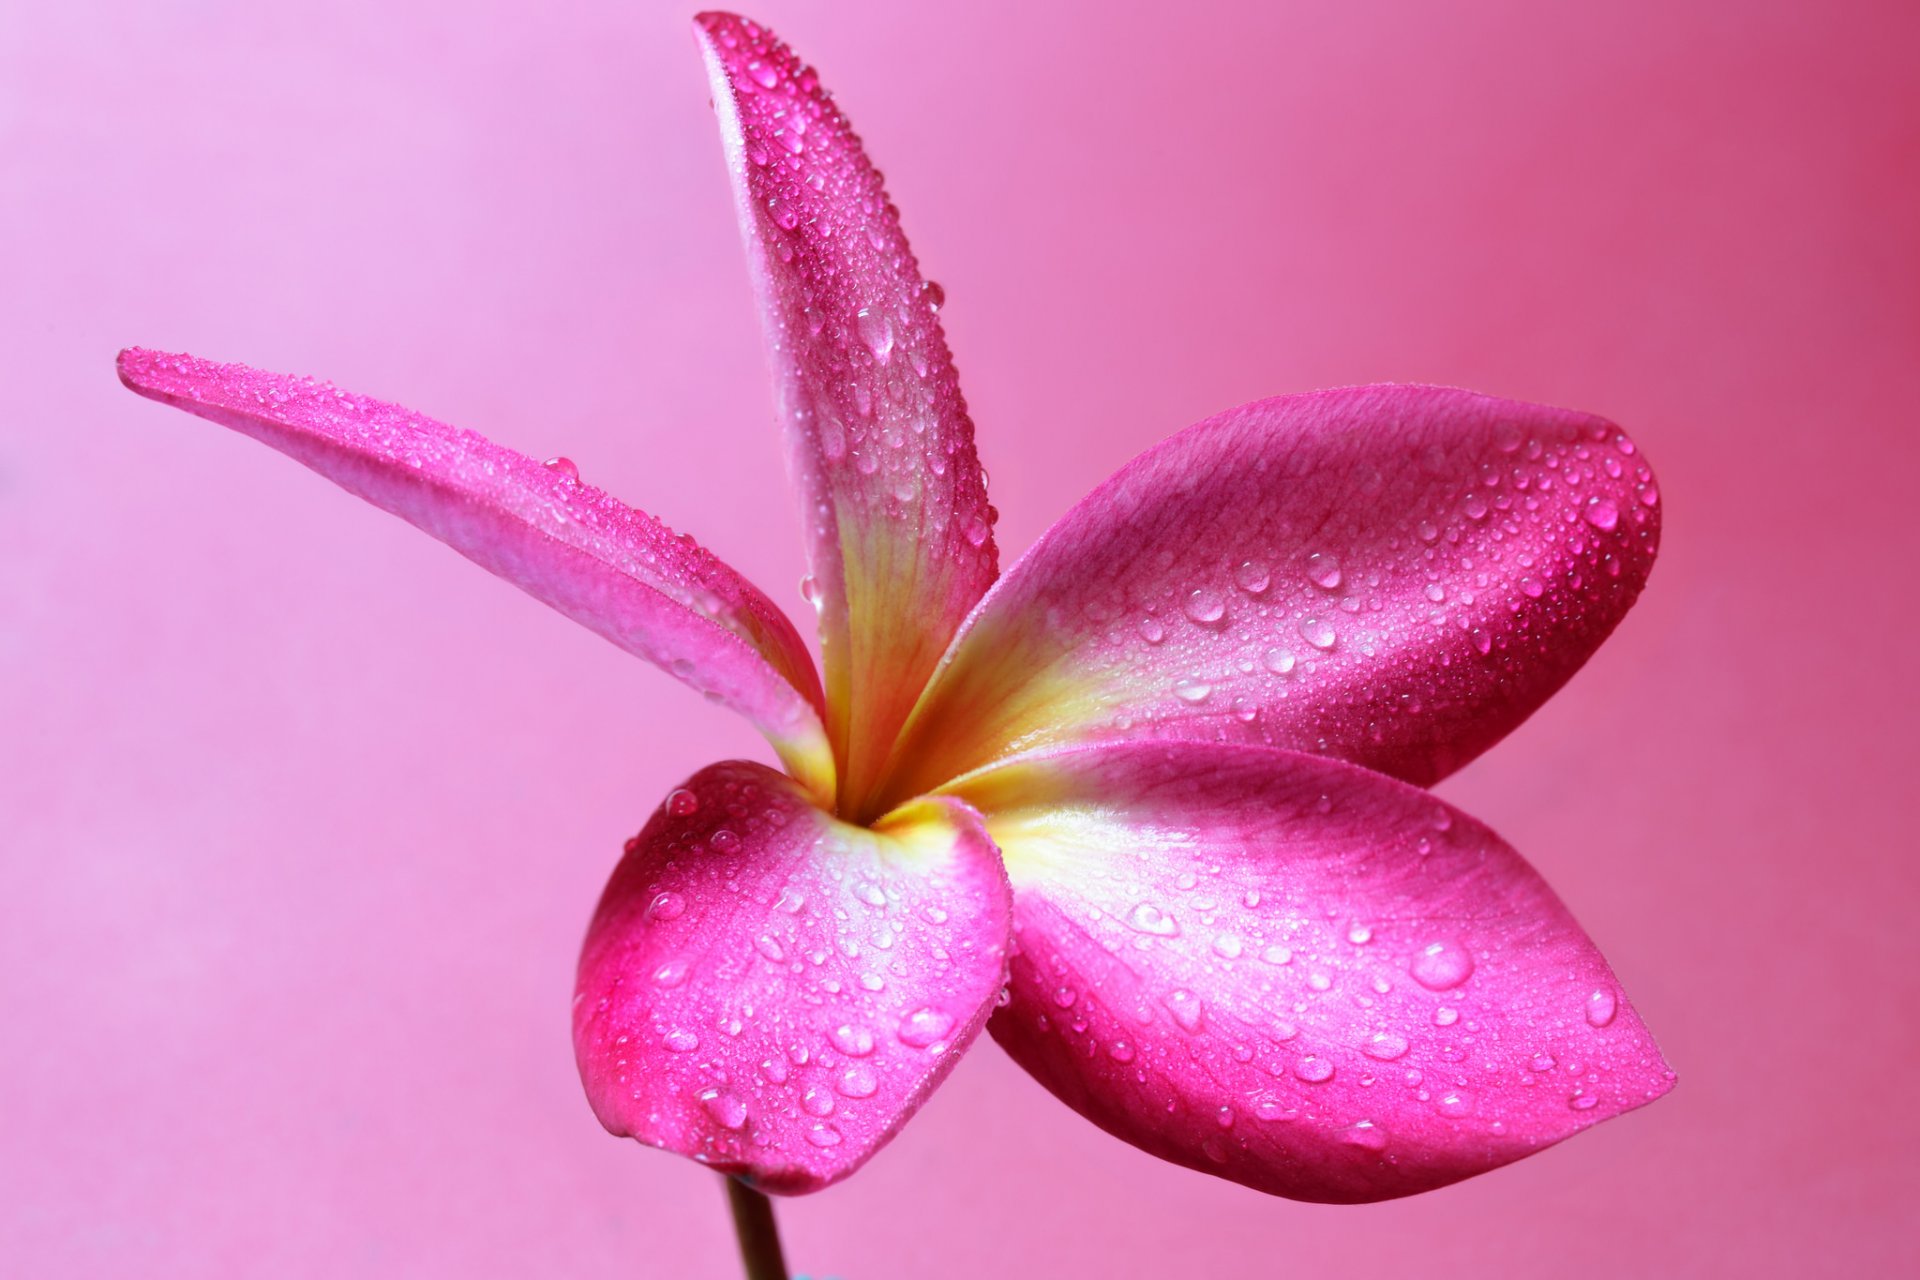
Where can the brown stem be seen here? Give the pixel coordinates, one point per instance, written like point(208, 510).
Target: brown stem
point(759, 1236)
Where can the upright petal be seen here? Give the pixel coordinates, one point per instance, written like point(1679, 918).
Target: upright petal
point(773, 992)
point(1297, 974)
point(899, 533)
point(1394, 575)
point(616, 570)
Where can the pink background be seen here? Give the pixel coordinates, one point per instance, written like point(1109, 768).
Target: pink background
point(302, 817)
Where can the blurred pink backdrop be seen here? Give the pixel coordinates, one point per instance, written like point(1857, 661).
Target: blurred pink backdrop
point(302, 816)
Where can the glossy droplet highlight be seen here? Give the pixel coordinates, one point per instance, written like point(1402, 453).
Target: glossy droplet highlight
point(924, 1027)
point(1147, 918)
point(564, 467)
point(1323, 571)
point(1440, 965)
point(1601, 1006)
point(1206, 606)
point(725, 1108)
point(855, 1042)
point(1187, 1009)
point(1318, 632)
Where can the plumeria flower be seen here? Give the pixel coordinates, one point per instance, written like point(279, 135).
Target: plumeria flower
point(1148, 806)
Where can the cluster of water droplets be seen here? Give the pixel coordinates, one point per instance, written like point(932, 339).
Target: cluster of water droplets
point(1336, 625)
point(867, 377)
point(1302, 1007)
point(798, 1007)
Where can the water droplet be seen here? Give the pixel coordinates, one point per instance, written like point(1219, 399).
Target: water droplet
point(1440, 965)
point(1319, 632)
point(1205, 606)
point(817, 1101)
point(681, 802)
point(1151, 631)
point(1148, 918)
point(1601, 1006)
point(877, 332)
point(563, 466)
point(924, 1026)
point(810, 591)
point(1602, 514)
point(682, 1041)
point(1360, 935)
point(667, 906)
point(823, 1135)
point(1313, 1070)
point(1386, 1046)
point(1323, 571)
point(1583, 1101)
point(1187, 1009)
point(1454, 1105)
point(1445, 1016)
point(727, 1110)
point(1277, 955)
point(1366, 1136)
point(671, 973)
point(1227, 947)
point(1278, 661)
point(1253, 577)
point(1506, 437)
point(1542, 1062)
point(769, 946)
point(724, 841)
point(1120, 1051)
point(855, 1042)
point(934, 296)
point(1192, 691)
point(857, 1081)
point(976, 531)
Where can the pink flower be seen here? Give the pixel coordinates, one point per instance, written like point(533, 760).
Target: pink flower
point(1147, 807)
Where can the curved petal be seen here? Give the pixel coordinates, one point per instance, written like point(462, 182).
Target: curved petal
point(1295, 973)
point(899, 533)
point(773, 992)
point(1394, 575)
point(616, 570)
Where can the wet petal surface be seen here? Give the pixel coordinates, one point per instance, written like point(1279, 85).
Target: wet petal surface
point(616, 570)
point(899, 533)
point(1297, 974)
point(772, 992)
point(1394, 576)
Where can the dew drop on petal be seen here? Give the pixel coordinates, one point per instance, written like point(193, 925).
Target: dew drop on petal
point(727, 1110)
point(1147, 918)
point(924, 1026)
point(1206, 606)
point(1441, 965)
point(1186, 1008)
point(854, 1041)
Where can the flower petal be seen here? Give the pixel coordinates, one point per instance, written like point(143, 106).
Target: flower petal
point(616, 570)
point(773, 992)
point(899, 533)
point(1295, 973)
point(1392, 575)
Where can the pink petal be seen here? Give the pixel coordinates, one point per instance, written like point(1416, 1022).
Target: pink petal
point(773, 992)
point(1392, 575)
point(899, 533)
point(617, 570)
point(1298, 974)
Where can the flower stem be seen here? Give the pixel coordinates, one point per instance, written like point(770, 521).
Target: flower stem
point(759, 1237)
